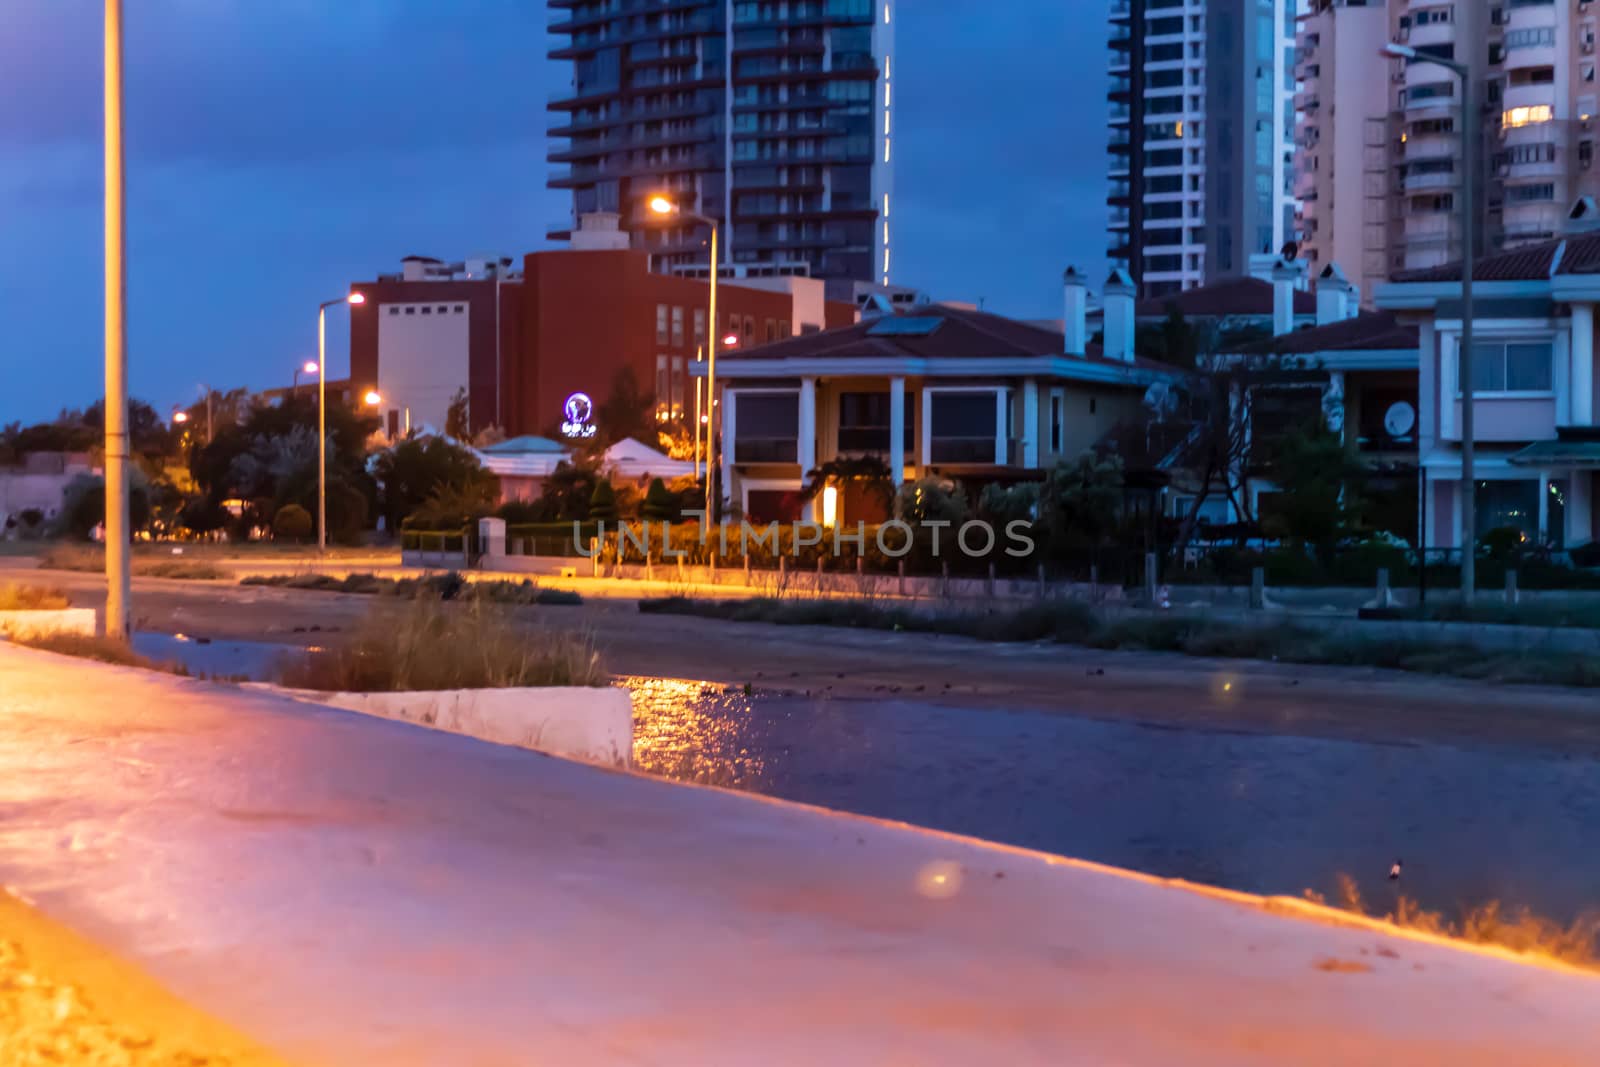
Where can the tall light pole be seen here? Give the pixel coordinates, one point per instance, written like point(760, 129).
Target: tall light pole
point(322, 414)
point(667, 207)
point(1469, 231)
point(119, 560)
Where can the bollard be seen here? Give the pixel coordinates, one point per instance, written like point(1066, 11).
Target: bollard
point(991, 581)
point(1258, 588)
point(944, 579)
point(1383, 587)
point(900, 577)
point(746, 567)
point(680, 568)
point(783, 569)
point(861, 567)
point(1511, 585)
point(1150, 577)
point(594, 555)
point(1041, 581)
point(649, 568)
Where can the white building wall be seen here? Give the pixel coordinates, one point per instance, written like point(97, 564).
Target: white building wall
point(422, 358)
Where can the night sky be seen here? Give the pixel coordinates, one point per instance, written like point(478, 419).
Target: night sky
point(278, 151)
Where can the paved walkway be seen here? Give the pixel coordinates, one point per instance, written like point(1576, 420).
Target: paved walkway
point(356, 891)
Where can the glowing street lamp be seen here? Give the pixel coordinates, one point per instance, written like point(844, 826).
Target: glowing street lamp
point(308, 367)
point(322, 413)
point(180, 417)
point(666, 207)
point(372, 398)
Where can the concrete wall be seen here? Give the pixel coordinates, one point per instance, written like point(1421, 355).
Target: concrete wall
point(590, 725)
point(423, 357)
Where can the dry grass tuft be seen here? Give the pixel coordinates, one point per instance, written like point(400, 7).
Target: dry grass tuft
point(427, 644)
point(32, 598)
point(92, 558)
point(1577, 942)
point(101, 649)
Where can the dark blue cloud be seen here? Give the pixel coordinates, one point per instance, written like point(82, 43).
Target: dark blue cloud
point(278, 151)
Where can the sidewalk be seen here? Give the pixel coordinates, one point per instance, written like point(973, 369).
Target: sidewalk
point(356, 891)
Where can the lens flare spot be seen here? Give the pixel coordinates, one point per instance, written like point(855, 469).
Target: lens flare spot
point(939, 880)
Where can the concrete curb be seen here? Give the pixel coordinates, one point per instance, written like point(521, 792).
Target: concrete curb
point(40, 623)
point(590, 725)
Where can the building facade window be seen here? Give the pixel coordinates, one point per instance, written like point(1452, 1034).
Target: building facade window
point(663, 387)
point(677, 387)
point(1511, 367)
point(661, 324)
point(1057, 410)
point(677, 327)
point(699, 326)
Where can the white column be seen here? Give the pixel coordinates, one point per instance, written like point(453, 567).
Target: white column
point(1580, 502)
point(897, 430)
point(1030, 424)
point(1002, 398)
point(1544, 506)
point(806, 442)
point(1449, 385)
point(927, 430)
point(1427, 387)
point(1582, 379)
point(729, 438)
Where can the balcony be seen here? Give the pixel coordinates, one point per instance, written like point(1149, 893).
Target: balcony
point(979, 450)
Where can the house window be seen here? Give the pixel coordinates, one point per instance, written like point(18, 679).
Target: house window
point(864, 423)
point(1511, 367)
point(749, 333)
point(767, 428)
point(964, 427)
point(661, 324)
point(677, 327)
point(772, 330)
point(411, 311)
point(1057, 406)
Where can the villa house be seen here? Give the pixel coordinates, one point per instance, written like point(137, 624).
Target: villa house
point(940, 391)
point(1356, 373)
point(1536, 432)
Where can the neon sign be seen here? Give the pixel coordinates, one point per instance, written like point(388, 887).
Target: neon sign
point(579, 412)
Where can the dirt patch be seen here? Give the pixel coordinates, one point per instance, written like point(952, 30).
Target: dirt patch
point(1338, 966)
point(64, 1001)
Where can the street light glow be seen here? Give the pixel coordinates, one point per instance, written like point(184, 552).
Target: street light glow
point(1398, 51)
point(662, 206)
point(373, 398)
point(180, 417)
point(730, 341)
point(309, 367)
point(357, 298)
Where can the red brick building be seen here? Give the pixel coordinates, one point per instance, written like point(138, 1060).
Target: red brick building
point(565, 324)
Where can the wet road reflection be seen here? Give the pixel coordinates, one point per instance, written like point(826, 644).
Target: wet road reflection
point(1260, 813)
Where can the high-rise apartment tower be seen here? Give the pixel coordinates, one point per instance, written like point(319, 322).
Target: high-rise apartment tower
point(1201, 137)
point(774, 117)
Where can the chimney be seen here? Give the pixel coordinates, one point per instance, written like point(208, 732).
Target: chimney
point(1118, 297)
point(1284, 277)
point(1337, 299)
point(1075, 317)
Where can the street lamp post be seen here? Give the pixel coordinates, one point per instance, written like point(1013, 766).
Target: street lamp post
point(119, 557)
point(665, 206)
point(308, 367)
point(322, 414)
point(1469, 229)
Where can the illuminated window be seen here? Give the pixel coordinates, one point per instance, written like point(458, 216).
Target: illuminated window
point(1526, 116)
point(1177, 129)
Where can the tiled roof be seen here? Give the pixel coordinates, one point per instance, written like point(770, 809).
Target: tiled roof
point(1371, 331)
point(1581, 255)
point(961, 334)
point(1230, 296)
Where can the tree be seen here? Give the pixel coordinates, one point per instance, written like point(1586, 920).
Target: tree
point(603, 504)
point(566, 491)
point(292, 523)
point(456, 422)
point(416, 469)
point(84, 505)
point(1079, 500)
point(933, 500)
point(1318, 501)
point(660, 503)
point(627, 411)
